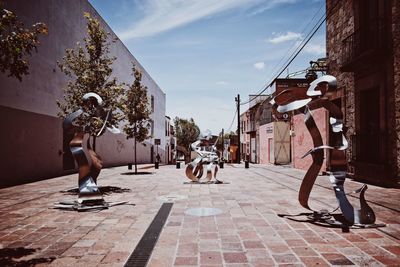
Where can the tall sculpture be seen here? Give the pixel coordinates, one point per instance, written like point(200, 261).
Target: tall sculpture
point(89, 193)
point(210, 159)
point(305, 102)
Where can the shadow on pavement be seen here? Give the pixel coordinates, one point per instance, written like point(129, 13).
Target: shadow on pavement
point(106, 190)
point(9, 256)
point(137, 173)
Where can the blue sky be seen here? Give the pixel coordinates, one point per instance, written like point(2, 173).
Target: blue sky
point(202, 53)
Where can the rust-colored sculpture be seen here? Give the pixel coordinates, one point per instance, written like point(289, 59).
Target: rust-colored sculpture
point(194, 170)
point(305, 102)
point(89, 193)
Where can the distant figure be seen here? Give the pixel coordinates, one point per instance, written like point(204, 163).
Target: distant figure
point(158, 158)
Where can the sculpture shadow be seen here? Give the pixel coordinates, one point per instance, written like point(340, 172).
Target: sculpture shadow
point(136, 173)
point(332, 221)
point(9, 256)
point(105, 190)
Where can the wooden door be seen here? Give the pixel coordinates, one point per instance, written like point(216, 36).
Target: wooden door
point(281, 142)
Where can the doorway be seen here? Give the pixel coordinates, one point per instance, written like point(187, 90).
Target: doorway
point(369, 135)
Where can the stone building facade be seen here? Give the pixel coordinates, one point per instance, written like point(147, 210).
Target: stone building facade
point(32, 137)
point(363, 49)
point(250, 124)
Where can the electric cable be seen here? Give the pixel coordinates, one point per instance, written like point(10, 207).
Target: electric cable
point(302, 33)
point(305, 41)
point(233, 120)
point(288, 62)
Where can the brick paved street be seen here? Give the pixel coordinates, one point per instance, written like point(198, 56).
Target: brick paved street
point(248, 232)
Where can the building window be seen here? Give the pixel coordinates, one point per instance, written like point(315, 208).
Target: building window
point(152, 103)
point(152, 127)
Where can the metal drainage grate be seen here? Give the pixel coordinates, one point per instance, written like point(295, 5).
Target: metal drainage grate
point(141, 255)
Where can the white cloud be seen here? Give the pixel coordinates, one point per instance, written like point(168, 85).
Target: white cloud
point(269, 5)
point(221, 83)
point(163, 15)
point(285, 37)
point(315, 49)
point(259, 65)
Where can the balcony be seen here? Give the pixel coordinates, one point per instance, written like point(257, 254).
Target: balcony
point(251, 127)
point(366, 44)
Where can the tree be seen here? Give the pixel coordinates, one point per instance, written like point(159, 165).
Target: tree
point(135, 107)
point(226, 136)
point(90, 69)
point(17, 43)
point(186, 131)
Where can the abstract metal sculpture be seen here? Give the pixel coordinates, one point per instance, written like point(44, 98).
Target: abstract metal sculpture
point(305, 102)
point(194, 170)
point(89, 193)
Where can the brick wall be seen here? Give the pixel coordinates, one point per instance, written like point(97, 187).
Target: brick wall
point(396, 66)
point(340, 24)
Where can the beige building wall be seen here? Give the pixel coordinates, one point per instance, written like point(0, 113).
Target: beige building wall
point(32, 136)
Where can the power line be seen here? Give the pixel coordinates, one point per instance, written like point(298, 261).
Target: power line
point(302, 33)
point(294, 54)
point(289, 60)
point(300, 45)
point(230, 127)
point(299, 49)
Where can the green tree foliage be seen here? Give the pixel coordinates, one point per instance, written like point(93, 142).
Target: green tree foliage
point(226, 136)
point(17, 43)
point(89, 69)
point(135, 107)
point(186, 131)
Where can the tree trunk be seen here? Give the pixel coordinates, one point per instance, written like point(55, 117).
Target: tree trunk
point(135, 156)
point(94, 143)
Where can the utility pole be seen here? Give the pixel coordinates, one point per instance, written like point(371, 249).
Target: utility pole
point(237, 99)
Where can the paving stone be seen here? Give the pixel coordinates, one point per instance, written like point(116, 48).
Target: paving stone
point(247, 233)
point(187, 261)
point(257, 253)
point(295, 242)
point(337, 259)
point(285, 258)
point(188, 249)
point(388, 260)
point(230, 238)
point(232, 247)
point(278, 247)
point(84, 243)
point(210, 257)
point(253, 244)
point(314, 261)
point(208, 245)
point(262, 262)
point(235, 257)
point(64, 261)
point(304, 251)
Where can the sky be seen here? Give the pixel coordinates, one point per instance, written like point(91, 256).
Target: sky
point(202, 53)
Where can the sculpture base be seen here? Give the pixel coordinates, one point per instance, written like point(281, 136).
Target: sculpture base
point(86, 205)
